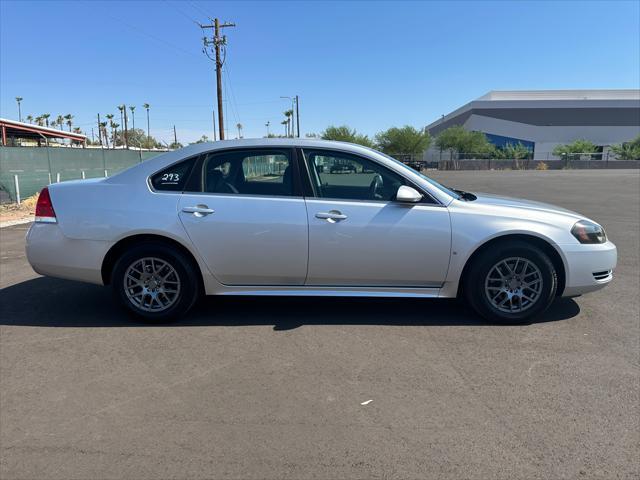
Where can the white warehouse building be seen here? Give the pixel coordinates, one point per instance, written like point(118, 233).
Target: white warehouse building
point(543, 119)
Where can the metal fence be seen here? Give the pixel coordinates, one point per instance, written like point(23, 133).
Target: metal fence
point(486, 162)
point(26, 170)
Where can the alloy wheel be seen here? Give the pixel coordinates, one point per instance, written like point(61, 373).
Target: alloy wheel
point(151, 284)
point(513, 285)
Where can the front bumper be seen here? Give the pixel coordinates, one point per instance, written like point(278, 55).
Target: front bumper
point(588, 267)
point(53, 254)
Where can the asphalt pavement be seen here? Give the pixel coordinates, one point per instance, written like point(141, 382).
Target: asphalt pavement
point(251, 388)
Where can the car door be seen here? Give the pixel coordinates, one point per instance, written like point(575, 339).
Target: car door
point(358, 234)
point(247, 218)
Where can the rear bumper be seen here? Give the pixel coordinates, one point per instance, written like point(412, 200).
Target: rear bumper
point(52, 254)
point(589, 267)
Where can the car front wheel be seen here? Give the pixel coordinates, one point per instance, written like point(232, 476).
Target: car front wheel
point(511, 283)
point(155, 282)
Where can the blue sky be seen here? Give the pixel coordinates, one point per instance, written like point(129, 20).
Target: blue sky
point(371, 65)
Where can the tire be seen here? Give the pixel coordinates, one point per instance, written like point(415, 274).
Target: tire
point(501, 286)
point(167, 295)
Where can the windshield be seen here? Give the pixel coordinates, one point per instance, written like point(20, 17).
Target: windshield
point(439, 186)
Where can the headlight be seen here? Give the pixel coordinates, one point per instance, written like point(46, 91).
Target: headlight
point(589, 232)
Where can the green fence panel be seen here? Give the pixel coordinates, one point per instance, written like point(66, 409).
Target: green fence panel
point(36, 166)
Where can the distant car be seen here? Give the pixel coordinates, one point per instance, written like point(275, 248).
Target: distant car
point(226, 219)
point(342, 168)
point(415, 165)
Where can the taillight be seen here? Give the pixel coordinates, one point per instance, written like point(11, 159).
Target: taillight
point(44, 208)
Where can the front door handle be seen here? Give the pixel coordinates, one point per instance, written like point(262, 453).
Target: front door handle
point(198, 210)
point(331, 216)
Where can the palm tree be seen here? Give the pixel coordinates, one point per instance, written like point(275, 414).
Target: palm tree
point(46, 118)
point(133, 119)
point(110, 118)
point(289, 115)
point(114, 129)
point(68, 117)
point(60, 121)
point(40, 121)
point(103, 129)
point(146, 107)
point(19, 99)
point(239, 127)
point(77, 130)
point(285, 123)
point(30, 118)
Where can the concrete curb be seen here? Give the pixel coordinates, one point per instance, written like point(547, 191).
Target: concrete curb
point(20, 221)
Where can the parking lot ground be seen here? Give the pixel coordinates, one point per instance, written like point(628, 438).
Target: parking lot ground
point(273, 388)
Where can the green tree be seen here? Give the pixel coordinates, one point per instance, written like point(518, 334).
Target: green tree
point(628, 150)
point(175, 145)
point(46, 116)
point(407, 140)
point(203, 139)
point(60, 121)
point(30, 118)
point(571, 149)
point(137, 136)
point(513, 151)
point(345, 134)
point(459, 141)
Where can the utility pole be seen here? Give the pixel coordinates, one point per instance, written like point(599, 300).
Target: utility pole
point(217, 41)
point(267, 125)
point(99, 130)
point(213, 114)
point(175, 137)
point(298, 115)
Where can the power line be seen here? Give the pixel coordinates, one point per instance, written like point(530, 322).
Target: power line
point(153, 37)
point(202, 11)
point(185, 15)
point(234, 104)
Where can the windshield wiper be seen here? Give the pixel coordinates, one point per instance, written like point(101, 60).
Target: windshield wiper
point(469, 197)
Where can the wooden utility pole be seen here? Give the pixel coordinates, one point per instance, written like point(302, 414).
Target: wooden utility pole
point(99, 130)
point(218, 43)
point(175, 136)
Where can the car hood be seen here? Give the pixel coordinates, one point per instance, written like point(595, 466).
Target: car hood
point(497, 200)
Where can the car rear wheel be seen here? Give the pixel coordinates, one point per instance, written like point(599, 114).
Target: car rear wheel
point(511, 283)
point(155, 282)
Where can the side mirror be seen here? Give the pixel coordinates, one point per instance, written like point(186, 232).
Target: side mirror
point(408, 195)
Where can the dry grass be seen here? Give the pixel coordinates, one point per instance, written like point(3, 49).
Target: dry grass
point(542, 166)
point(12, 211)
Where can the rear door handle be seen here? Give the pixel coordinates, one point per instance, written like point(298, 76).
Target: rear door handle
point(198, 210)
point(331, 216)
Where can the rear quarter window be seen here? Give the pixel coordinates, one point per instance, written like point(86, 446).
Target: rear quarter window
point(173, 178)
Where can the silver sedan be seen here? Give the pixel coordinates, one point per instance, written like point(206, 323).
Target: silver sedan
point(309, 217)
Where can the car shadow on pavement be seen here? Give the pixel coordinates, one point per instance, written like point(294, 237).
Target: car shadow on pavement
point(49, 302)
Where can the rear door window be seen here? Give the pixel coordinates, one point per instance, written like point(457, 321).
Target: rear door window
point(173, 178)
point(248, 172)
